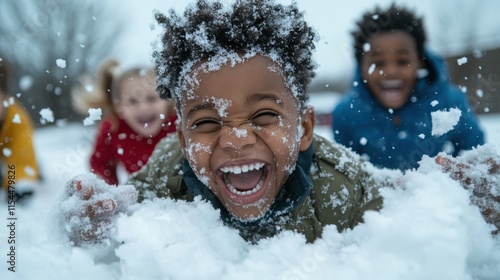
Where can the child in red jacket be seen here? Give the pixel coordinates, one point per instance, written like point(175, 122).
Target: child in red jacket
point(135, 118)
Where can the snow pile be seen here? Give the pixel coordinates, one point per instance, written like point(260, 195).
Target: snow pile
point(444, 121)
point(429, 230)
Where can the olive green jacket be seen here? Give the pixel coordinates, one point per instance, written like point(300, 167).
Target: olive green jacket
point(342, 191)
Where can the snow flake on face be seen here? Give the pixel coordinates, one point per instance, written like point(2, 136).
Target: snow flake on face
point(190, 70)
point(193, 148)
point(240, 133)
point(371, 69)
point(289, 168)
point(366, 47)
point(221, 105)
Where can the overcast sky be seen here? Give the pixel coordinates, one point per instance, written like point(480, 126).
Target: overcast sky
point(448, 23)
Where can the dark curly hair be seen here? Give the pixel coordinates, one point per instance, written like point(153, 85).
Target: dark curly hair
point(209, 29)
point(391, 19)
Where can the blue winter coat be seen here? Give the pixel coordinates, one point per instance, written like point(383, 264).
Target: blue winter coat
point(398, 139)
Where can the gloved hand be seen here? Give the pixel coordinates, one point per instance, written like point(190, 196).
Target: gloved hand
point(89, 208)
point(482, 177)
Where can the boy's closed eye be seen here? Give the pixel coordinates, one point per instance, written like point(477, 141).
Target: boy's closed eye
point(264, 118)
point(131, 101)
point(404, 62)
point(261, 119)
point(206, 125)
point(378, 63)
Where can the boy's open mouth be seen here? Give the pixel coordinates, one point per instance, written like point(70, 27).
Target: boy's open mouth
point(146, 120)
point(244, 179)
point(392, 89)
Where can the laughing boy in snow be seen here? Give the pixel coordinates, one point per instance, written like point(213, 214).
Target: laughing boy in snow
point(245, 139)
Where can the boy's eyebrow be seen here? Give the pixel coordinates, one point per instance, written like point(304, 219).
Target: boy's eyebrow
point(398, 51)
point(263, 96)
point(202, 106)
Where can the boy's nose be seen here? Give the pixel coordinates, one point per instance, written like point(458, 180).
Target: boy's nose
point(390, 70)
point(236, 137)
point(144, 106)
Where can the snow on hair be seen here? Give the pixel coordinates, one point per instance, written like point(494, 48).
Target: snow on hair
point(213, 32)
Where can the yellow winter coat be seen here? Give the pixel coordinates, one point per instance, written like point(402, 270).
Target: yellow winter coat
point(17, 154)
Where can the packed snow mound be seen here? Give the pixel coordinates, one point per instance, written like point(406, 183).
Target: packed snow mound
point(427, 229)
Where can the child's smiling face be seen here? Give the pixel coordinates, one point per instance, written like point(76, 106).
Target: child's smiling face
point(241, 131)
point(140, 107)
point(390, 67)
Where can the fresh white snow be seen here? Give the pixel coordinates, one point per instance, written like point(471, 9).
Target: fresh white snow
point(427, 231)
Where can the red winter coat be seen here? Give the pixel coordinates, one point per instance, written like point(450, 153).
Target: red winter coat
point(124, 146)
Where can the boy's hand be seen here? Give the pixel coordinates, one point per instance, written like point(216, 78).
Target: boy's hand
point(90, 207)
point(482, 178)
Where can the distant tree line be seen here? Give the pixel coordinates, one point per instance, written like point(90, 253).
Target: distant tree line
point(50, 44)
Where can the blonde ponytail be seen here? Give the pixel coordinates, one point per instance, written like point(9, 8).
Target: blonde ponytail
point(97, 92)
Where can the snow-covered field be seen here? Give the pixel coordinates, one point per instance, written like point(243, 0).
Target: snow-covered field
point(428, 231)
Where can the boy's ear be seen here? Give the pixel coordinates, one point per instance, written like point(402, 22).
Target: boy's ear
point(308, 121)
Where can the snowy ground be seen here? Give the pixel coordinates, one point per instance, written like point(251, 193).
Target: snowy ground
point(429, 231)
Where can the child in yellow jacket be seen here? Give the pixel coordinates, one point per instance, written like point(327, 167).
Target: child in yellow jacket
point(18, 162)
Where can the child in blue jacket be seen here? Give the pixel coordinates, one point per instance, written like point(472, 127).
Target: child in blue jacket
point(398, 85)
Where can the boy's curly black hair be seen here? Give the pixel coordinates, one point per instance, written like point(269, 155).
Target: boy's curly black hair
point(209, 29)
point(391, 19)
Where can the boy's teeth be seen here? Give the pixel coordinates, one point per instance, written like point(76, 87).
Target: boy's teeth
point(242, 168)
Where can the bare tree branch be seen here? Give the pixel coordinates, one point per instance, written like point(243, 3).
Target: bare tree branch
point(55, 42)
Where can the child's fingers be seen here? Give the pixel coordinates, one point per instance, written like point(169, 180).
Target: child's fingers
point(100, 208)
point(495, 166)
point(83, 191)
point(96, 232)
point(456, 169)
point(491, 216)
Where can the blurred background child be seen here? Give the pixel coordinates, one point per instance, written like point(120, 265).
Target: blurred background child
point(397, 85)
point(19, 167)
point(134, 119)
